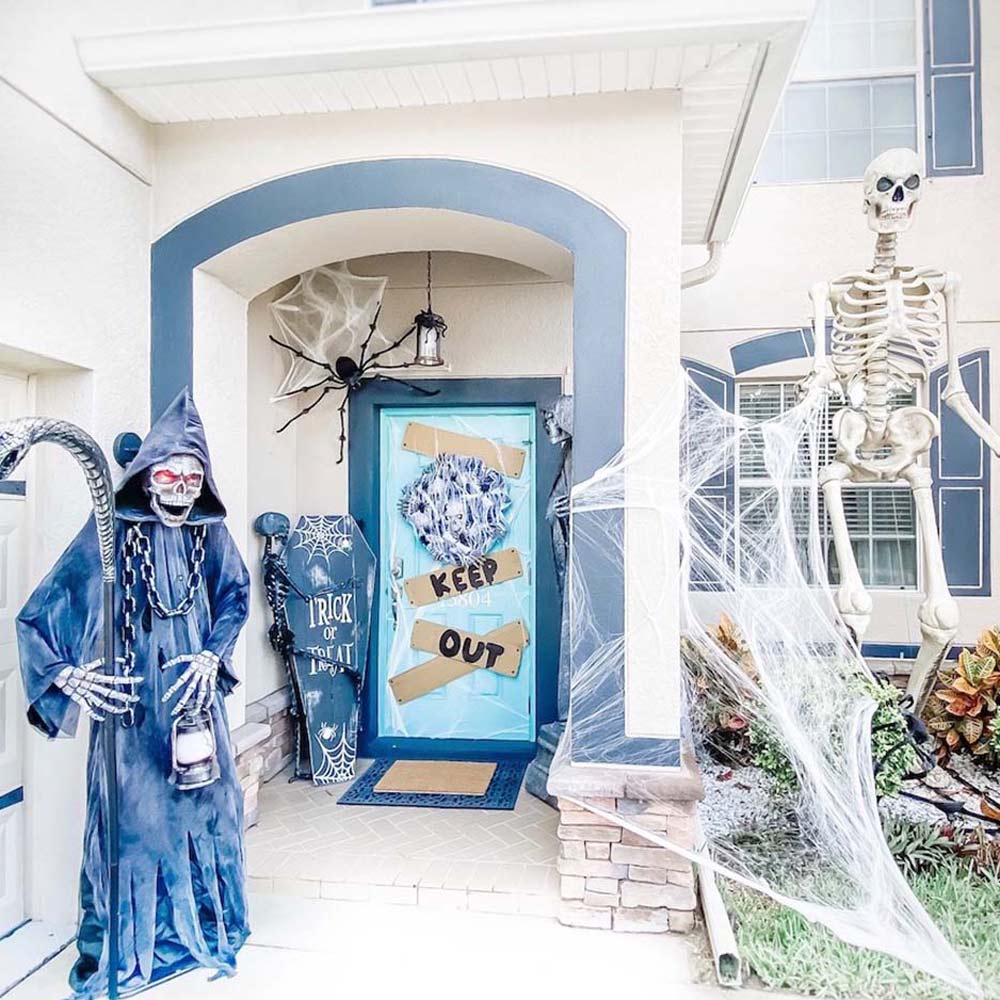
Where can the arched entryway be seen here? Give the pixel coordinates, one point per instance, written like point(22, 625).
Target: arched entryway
point(235, 227)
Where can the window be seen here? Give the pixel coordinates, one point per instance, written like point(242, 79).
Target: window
point(881, 519)
point(854, 95)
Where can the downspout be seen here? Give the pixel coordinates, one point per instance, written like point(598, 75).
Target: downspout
point(721, 939)
point(704, 272)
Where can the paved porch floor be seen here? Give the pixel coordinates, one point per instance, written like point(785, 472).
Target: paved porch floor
point(306, 948)
point(307, 845)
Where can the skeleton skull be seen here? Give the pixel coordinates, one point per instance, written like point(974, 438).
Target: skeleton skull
point(173, 487)
point(893, 185)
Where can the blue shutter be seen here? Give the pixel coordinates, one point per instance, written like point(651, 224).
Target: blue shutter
point(952, 87)
point(718, 496)
point(960, 466)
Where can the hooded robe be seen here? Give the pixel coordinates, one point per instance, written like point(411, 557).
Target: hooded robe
point(182, 898)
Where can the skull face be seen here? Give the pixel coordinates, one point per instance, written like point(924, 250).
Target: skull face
point(173, 486)
point(893, 186)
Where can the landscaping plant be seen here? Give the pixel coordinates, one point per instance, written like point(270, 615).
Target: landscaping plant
point(962, 709)
point(720, 711)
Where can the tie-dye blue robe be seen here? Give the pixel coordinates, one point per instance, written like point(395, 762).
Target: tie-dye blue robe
point(182, 867)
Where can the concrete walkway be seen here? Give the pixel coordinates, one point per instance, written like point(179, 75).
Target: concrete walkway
point(305, 948)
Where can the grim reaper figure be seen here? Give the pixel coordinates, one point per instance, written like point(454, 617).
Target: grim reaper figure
point(181, 602)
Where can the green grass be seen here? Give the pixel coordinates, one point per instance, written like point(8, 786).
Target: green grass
point(786, 951)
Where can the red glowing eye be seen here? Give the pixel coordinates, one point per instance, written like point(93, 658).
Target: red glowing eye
point(193, 479)
point(164, 477)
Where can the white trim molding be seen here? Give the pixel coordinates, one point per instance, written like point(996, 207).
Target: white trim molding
point(730, 62)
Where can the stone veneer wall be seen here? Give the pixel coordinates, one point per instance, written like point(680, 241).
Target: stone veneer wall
point(614, 878)
point(263, 746)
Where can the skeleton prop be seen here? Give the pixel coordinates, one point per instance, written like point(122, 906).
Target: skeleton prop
point(274, 527)
point(890, 323)
point(182, 593)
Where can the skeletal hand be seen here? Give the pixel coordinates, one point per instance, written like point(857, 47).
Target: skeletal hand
point(818, 380)
point(95, 691)
point(198, 681)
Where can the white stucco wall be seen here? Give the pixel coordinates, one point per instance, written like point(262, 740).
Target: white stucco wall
point(74, 283)
point(633, 172)
point(504, 320)
point(793, 235)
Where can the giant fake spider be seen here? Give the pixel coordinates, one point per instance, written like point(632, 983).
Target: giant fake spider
point(349, 376)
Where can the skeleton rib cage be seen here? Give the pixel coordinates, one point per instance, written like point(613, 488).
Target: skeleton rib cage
point(888, 329)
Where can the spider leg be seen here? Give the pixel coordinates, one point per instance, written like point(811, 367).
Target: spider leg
point(371, 333)
point(308, 409)
point(332, 380)
point(392, 346)
point(302, 355)
point(409, 385)
point(342, 409)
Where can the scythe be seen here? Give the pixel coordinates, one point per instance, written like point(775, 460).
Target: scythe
point(16, 438)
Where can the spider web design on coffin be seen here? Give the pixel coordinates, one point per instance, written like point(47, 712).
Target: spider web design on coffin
point(324, 534)
point(338, 758)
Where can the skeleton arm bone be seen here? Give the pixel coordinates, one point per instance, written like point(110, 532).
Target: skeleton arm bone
point(822, 374)
point(955, 394)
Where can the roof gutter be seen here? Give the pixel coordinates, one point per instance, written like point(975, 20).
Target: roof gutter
point(704, 272)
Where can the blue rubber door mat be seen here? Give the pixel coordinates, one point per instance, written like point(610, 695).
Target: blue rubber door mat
point(501, 793)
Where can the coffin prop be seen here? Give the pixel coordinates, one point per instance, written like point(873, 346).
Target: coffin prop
point(331, 571)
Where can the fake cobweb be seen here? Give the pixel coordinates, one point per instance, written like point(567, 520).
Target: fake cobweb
point(669, 494)
point(328, 313)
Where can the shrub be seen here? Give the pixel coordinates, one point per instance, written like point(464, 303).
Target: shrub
point(962, 709)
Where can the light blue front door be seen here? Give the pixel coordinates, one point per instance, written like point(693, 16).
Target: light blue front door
point(481, 705)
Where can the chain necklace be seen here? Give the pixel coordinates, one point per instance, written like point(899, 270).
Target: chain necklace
point(137, 544)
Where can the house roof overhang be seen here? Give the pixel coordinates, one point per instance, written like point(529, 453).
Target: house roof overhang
point(730, 58)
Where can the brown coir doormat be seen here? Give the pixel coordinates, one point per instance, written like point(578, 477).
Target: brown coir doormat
point(437, 777)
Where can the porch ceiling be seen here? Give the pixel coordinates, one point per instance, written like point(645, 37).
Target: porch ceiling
point(731, 65)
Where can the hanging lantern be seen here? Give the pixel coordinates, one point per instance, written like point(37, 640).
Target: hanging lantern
point(430, 331)
point(192, 751)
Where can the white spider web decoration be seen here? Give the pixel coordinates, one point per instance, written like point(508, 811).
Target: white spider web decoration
point(323, 533)
point(650, 515)
point(328, 313)
point(338, 759)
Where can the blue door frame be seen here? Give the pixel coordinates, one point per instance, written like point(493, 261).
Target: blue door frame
point(363, 487)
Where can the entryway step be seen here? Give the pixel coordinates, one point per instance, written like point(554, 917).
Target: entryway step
point(534, 904)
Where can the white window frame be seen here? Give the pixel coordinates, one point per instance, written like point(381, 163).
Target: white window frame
point(886, 73)
point(741, 482)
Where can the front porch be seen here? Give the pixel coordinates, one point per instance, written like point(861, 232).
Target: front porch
point(307, 845)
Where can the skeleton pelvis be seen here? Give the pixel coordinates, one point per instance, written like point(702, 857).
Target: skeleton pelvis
point(882, 454)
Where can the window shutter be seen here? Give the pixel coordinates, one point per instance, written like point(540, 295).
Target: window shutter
point(713, 512)
point(952, 87)
point(960, 466)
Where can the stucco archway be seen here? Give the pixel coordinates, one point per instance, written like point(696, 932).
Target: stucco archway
point(594, 238)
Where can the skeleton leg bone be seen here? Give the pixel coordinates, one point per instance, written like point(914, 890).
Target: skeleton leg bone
point(853, 602)
point(938, 614)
